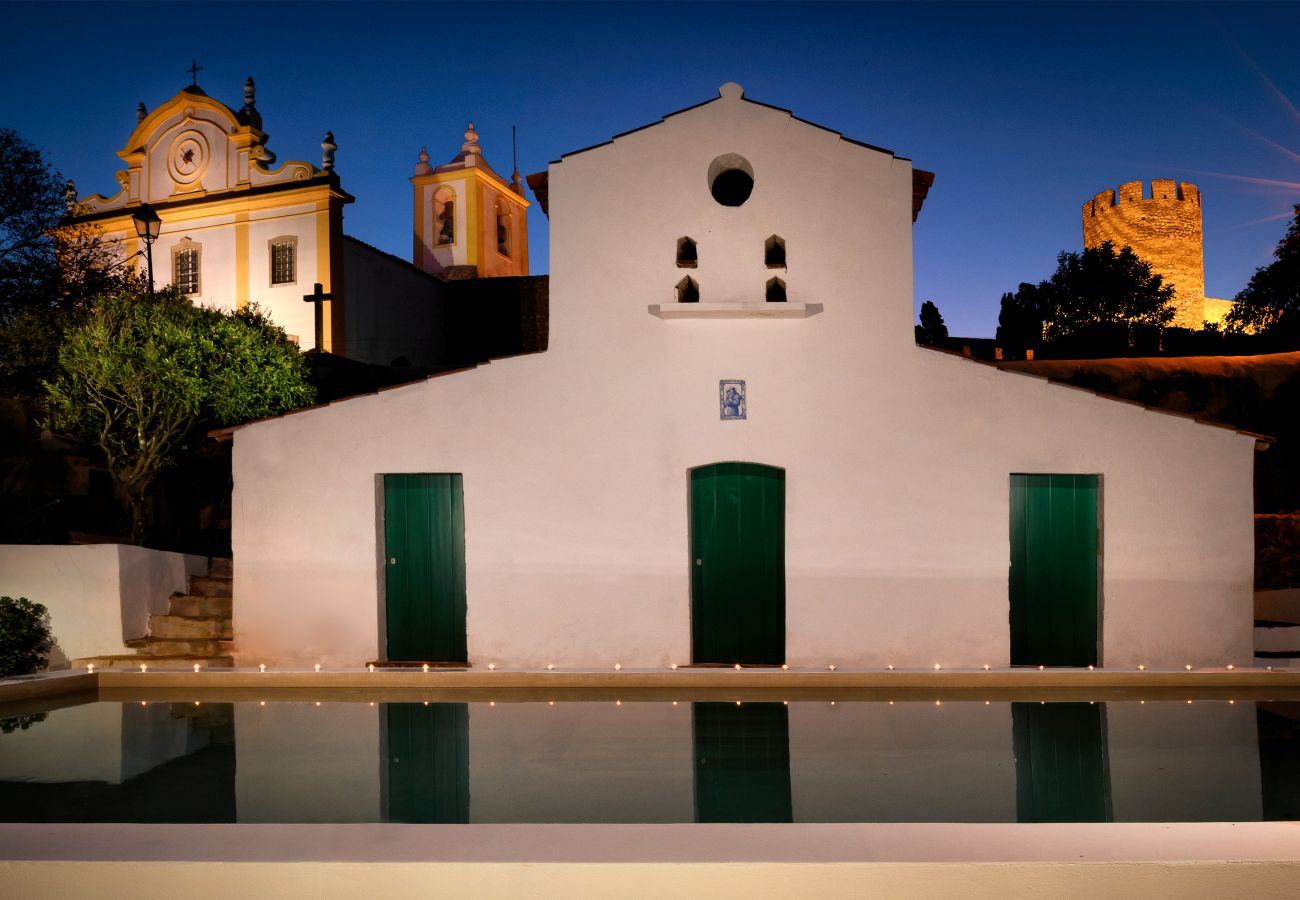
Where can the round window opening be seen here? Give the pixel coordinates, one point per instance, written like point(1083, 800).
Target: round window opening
point(731, 179)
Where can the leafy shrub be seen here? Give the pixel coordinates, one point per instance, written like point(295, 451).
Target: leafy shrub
point(24, 636)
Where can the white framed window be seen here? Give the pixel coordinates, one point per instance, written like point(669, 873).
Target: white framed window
point(187, 258)
point(284, 260)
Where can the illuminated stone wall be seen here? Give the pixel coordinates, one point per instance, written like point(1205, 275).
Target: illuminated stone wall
point(1163, 229)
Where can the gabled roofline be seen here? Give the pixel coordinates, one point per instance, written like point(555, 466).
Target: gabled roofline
point(694, 106)
point(1262, 441)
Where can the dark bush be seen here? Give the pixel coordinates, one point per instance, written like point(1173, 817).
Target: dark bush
point(24, 636)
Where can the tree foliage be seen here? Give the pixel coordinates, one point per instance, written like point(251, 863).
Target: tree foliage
point(24, 637)
point(932, 331)
point(140, 375)
point(49, 270)
point(1270, 303)
point(1098, 290)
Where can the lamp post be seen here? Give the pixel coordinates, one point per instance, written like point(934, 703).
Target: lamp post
point(147, 228)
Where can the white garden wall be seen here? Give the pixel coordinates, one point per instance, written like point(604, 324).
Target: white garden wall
point(98, 595)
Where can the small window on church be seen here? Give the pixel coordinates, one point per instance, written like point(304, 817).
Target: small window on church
point(774, 253)
point(503, 229)
point(444, 217)
point(688, 291)
point(284, 260)
point(185, 267)
point(775, 291)
point(687, 255)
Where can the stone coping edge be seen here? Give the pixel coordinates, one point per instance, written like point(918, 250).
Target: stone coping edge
point(1121, 842)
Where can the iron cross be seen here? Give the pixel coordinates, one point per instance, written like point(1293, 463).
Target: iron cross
point(318, 296)
point(194, 71)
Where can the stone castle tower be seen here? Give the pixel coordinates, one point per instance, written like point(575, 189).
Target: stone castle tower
point(1163, 229)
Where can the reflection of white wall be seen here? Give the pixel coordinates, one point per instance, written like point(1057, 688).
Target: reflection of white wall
point(1179, 762)
point(79, 743)
point(98, 594)
point(153, 733)
point(910, 762)
point(581, 762)
point(299, 762)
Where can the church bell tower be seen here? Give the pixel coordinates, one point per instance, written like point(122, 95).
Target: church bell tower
point(469, 221)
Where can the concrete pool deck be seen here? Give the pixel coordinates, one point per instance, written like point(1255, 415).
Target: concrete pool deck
point(1216, 859)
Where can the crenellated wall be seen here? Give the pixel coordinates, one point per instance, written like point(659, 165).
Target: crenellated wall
point(1164, 229)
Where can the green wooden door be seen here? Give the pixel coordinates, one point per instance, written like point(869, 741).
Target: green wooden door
point(1062, 770)
point(424, 563)
point(742, 762)
point(427, 777)
point(1054, 570)
point(738, 564)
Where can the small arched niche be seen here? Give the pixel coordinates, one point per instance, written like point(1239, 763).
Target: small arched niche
point(775, 290)
point(774, 252)
point(444, 217)
point(503, 228)
point(688, 291)
point(731, 179)
point(687, 253)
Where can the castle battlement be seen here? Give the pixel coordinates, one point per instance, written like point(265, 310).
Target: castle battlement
point(1163, 226)
point(1163, 190)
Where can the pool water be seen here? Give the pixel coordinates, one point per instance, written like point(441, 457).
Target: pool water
point(653, 761)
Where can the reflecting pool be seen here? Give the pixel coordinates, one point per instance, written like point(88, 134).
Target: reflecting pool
point(653, 761)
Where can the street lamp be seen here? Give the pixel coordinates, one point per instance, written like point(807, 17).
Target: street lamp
point(147, 227)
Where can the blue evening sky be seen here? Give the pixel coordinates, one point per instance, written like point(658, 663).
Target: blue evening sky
point(1023, 111)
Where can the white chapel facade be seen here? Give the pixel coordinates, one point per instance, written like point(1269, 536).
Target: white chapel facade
point(733, 473)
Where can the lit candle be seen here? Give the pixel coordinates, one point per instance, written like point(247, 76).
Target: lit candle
point(492, 665)
point(91, 668)
point(737, 669)
point(936, 667)
point(674, 666)
point(261, 667)
point(618, 667)
point(425, 667)
point(986, 667)
point(317, 667)
point(890, 667)
point(1230, 667)
point(550, 667)
point(144, 667)
point(785, 667)
point(1141, 668)
point(1188, 667)
point(831, 667)
point(371, 667)
point(196, 667)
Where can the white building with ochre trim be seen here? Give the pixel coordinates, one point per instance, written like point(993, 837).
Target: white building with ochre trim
point(238, 227)
point(733, 451)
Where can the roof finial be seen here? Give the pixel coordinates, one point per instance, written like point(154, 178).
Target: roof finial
point(516, 183)
point(422, 167)
point(194, 71)
point(70, 196)
point(140, 113)
point(250, 90)
point(471, 141)
point(327, 148)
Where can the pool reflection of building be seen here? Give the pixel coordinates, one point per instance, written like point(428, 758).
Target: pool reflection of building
point(655, 762)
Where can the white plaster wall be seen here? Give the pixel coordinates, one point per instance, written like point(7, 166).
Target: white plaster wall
point(1174, 761)
point(898, 459)
point(216, 234)
point(342, 782)
point(98, 595)
point(393, 309)
point(284, 302)
point(581, 762)
point(905, 762)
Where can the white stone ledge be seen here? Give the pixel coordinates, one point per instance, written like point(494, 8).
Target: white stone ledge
point(737, 310)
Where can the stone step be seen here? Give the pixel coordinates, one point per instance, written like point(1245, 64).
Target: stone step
point(191, 605)
point(210, 586)
point(188, 627)
point(157, 647)
point(133, 661)
point(221, 568)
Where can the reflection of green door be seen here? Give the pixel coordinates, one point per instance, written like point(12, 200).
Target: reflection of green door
point(738, 564)
point(1062, 772)
point(742, 762)
point(424, 563)
point(428, 763)
point(1053, 570)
